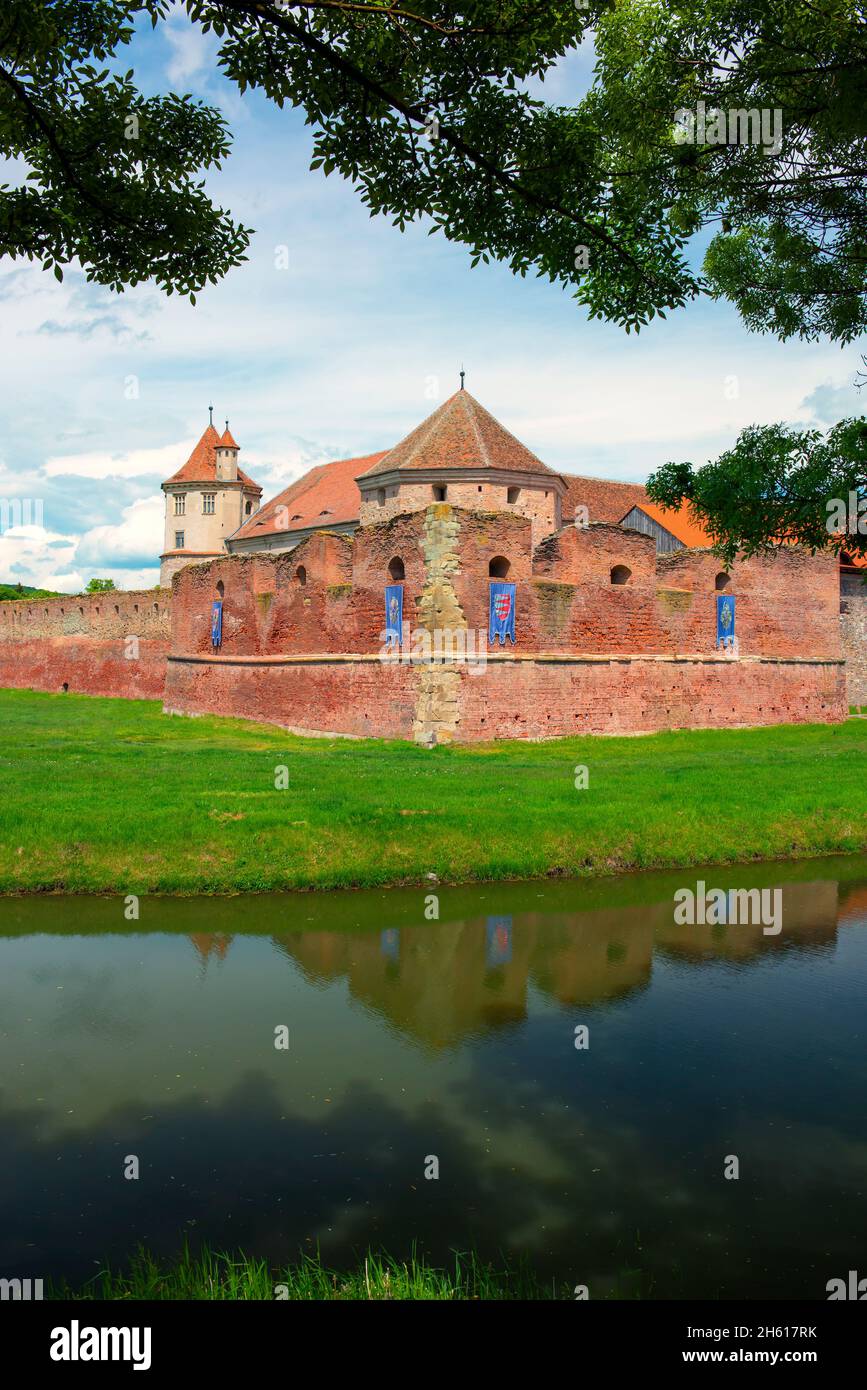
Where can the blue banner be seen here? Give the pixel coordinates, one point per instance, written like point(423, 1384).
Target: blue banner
point(498, 941)
point(393, 614)
point(216, 622)
point(725, 620)
point(502, 615)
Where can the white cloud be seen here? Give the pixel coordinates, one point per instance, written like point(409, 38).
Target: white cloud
point(161, 462)
point(38, 558)
point(132, 543)
point(193, 53)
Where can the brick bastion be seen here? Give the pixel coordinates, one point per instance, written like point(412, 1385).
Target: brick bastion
point(610, 637)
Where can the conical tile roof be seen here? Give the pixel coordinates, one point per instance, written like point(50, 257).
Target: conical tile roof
point(460, 434)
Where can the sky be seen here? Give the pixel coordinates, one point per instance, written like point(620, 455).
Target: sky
point(340, 353)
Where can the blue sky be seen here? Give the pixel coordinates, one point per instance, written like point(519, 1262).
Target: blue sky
point(342, 353)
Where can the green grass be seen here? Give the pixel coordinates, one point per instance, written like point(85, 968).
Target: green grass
point(211, 1275)
point(112, 795)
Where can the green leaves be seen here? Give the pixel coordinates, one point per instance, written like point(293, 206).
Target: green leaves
point(112, 177)
point(508, 177)
point(779, 484)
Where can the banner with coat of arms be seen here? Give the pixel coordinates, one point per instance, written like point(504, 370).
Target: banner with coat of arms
point(725, 620)
point(393, 614)
point(502, 617)
point(216, 623)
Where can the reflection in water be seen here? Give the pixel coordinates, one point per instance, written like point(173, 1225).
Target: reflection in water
point(454, 1038)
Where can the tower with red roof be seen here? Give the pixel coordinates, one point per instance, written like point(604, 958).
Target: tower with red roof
point(206, 501)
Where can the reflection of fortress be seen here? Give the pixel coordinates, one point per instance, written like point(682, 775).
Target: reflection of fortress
point(440, 983)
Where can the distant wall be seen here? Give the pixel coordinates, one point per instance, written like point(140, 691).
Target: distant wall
point(112, 643)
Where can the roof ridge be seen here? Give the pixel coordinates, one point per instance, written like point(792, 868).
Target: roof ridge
point(483, 448)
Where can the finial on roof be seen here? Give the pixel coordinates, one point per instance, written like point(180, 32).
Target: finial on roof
point(227, 424)
point(463, 374)
point(211, 415)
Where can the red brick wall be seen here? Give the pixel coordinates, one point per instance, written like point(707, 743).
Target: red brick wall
point(550, 699)
point(86, 642)
point(788, 609)
point(363, 698)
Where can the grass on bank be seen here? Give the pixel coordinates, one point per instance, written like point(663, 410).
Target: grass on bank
point(112, 795)
point(212, 1275)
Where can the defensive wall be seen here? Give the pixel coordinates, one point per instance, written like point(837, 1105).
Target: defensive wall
point(610, 637)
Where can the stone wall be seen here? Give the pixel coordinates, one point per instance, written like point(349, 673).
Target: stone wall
point(853, 623)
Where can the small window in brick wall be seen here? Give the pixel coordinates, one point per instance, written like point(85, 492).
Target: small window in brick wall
point(396, 570)
point(499, 567)
point(439, 491)
point(512, 494)
point(301, 575)
point(723, 582)
point(621, 574)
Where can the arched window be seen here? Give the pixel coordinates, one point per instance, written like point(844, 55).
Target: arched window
point(512, 494)
point(396, 569)
point(301, 575)
point(621, 574)
point(248, 507)
point(723, 582)
point(499, 567)
point(439, 491)
point(221, 588)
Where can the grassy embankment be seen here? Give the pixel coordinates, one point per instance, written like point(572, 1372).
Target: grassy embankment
point(111, 795)
point(211, 1275)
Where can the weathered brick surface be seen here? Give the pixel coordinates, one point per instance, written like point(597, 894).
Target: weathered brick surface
point(362, 698)
point(85, 641)
point(324, 601)
point(550, 699)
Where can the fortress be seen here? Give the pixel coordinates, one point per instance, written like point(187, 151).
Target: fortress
point(605, 611)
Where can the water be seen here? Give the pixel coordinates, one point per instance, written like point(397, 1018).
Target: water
point(455, 1039)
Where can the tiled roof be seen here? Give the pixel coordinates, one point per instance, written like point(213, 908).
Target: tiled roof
point(226, 440)
point(459, 434)
point(201, 466)
point(326, 496)
point(604, 500)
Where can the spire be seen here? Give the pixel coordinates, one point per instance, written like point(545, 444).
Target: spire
point(226, 440)
point(463, 374)
point(211, 416)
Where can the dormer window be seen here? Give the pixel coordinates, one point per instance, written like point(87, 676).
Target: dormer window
point(208, 500)
point(180, 503)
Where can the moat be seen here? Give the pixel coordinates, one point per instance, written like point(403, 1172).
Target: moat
point(456, 1039)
